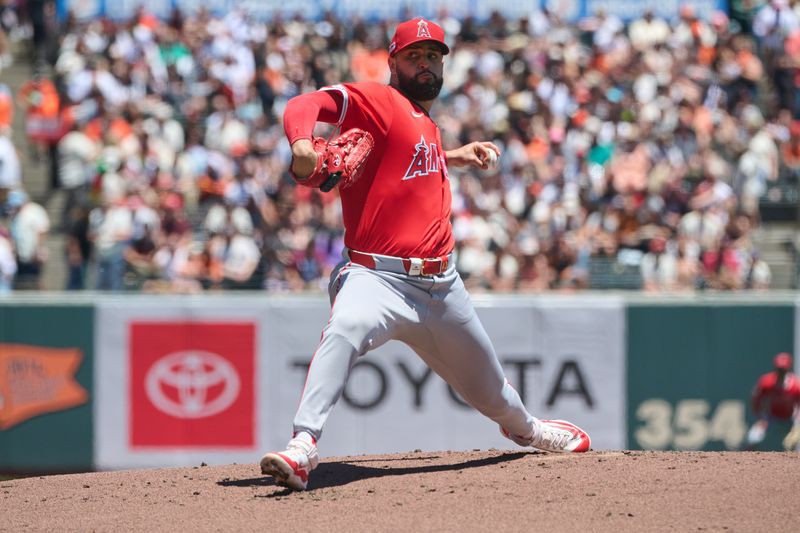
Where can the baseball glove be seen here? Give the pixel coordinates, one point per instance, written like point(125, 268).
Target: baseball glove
point(340, 160)
point(792, 439)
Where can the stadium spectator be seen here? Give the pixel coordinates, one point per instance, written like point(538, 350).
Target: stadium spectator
point(648, 30)
point(9, 24)
point(659, 267)
point(10, 169)
point(77, 156)
point(41, 15)
point(30, 225)
point(110, 229)
point(41, 103)
point(78, 248)
point(8, 262)
point(771, 25)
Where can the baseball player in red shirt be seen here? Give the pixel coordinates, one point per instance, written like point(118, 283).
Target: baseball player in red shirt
point(399, 279)
point(776, 405)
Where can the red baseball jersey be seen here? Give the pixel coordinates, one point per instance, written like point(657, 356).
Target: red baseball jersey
point(779, 399)
point(401, 204)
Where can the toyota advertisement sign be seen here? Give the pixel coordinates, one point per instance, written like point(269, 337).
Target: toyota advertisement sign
point(191, 384)
point(184, 381)
point(176, 383)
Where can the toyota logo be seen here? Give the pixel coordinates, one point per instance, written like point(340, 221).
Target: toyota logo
point(192, 384)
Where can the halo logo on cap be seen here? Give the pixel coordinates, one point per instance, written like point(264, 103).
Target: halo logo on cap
point(422, 29)
point(417, 30)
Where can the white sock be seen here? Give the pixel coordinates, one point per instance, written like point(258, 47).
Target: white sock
point(305, 437)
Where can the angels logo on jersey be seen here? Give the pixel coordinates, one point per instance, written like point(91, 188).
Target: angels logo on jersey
point(426, 160)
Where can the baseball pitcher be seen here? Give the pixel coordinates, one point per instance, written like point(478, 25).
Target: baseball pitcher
point(398, 279)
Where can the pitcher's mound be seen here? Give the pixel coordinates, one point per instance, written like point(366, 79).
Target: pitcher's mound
point(429, 491)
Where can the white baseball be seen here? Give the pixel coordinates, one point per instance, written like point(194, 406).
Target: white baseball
point(491, 158)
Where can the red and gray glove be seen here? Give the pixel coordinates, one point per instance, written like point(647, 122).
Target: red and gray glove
point(339, 161)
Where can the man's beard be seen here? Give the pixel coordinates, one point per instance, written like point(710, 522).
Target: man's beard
point(420, 90)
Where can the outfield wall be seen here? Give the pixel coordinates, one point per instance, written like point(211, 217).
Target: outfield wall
point(108, 382)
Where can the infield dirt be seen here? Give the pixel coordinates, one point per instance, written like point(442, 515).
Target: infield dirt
point(491, 490)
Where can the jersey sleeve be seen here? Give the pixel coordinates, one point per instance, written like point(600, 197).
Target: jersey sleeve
point(365, 105)
point(303, 111)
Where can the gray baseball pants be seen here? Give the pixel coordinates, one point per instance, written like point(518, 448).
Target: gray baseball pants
point(434, 316)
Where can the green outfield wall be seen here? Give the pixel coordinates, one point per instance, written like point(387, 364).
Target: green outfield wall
point(691, 369)
point(46, 382)
point(94, 381)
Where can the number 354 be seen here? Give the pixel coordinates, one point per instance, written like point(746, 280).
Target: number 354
point(690, 424)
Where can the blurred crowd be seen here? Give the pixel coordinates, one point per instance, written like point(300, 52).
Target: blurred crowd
point(647, 145)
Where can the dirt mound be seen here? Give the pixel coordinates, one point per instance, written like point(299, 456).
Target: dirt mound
point(441, 491)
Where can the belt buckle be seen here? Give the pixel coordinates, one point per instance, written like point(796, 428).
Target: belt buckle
point(432, 267)
point(415, 266)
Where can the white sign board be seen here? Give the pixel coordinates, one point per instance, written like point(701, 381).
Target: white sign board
point(217, 379)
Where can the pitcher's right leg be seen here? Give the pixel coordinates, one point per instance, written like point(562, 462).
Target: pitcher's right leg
point(364, 315)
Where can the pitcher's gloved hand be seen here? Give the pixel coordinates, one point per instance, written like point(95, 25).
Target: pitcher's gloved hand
point(339, 161)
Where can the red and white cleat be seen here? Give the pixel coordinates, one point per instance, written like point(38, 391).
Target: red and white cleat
point(292, 466)
point(561, 436)
point(554, 436)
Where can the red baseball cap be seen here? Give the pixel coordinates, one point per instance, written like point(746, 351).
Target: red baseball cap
point(782, 361)
point(417, 30)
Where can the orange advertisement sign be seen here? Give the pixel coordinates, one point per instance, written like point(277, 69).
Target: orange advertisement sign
point(35, 380)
